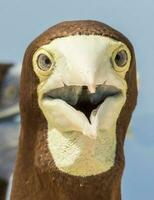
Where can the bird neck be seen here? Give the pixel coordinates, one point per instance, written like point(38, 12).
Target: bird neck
point(37, 176)
point(105, 186)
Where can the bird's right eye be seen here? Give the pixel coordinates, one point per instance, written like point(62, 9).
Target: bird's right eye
point(43, 62)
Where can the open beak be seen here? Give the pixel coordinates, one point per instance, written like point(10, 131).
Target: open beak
point(81, 98)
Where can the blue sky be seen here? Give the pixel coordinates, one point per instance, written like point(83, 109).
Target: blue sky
point(22, 21)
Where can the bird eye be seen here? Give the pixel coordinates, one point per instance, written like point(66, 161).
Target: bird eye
point(121, 59)
point(44, 62)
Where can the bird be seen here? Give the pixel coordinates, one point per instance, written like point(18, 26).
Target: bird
point(78, 91)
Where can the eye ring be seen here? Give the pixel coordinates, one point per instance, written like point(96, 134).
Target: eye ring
point(121, 59)
point(43, 62)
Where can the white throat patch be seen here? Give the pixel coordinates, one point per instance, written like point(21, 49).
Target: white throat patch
point(82, 146)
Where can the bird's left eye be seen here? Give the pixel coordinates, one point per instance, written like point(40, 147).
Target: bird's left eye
point(121, 59)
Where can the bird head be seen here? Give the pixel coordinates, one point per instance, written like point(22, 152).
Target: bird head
point(85, 91)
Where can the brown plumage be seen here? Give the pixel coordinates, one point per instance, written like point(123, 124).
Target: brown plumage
point(36, 176)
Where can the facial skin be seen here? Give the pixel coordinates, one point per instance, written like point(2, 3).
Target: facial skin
point(81, 93)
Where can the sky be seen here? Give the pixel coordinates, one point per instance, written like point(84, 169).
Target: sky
point(22, 21)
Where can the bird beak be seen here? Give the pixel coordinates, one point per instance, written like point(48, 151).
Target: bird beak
point(92, 88)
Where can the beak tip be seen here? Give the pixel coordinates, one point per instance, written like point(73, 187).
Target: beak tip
point(92, 88)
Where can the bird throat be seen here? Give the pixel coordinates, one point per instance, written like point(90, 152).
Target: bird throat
point(78, 155)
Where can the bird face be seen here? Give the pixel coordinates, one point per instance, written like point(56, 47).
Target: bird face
point(81, 92)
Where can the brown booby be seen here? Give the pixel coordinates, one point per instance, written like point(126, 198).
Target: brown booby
point(78, 92)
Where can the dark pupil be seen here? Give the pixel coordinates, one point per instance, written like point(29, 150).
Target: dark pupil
point(121, 58)
point(47, 61)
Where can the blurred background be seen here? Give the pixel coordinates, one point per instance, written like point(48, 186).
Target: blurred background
point(22, 21)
